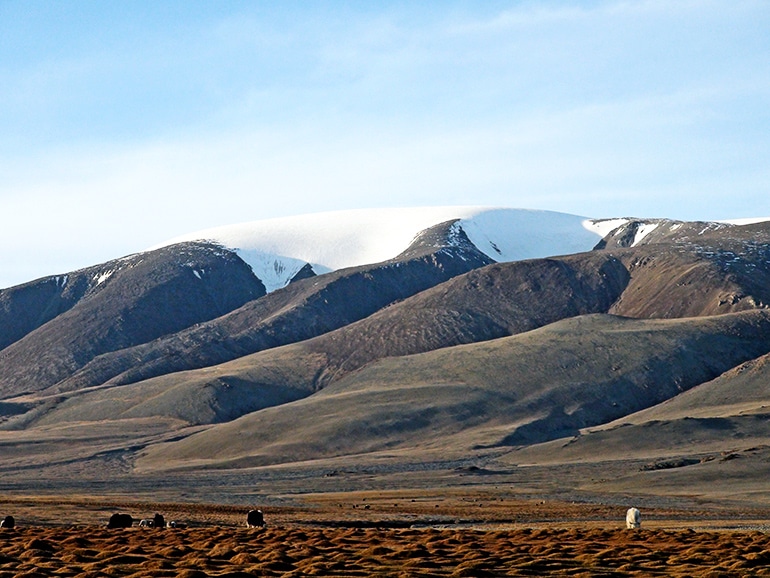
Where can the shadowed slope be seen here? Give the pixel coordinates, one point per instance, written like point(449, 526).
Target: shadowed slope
point(742, 390)
point(210, 395)
point(722, 415)
point(131, 301)
point(26, 307)
point(517, 390)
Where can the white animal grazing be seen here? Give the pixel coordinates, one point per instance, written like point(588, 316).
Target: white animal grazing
point(175, 524)
point(633, 518)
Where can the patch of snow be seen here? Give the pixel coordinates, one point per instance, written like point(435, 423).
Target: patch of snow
point(276, 249)
point(747, 221)
point(103, 277)
point(454, 234)
point(275, 270)
point(516, 234)
point(643, 231)
point(604, 227)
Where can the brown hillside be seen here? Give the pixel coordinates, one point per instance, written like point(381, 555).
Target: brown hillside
point(512, 391)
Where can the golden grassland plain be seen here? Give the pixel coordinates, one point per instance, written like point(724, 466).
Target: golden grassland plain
point(452, 532)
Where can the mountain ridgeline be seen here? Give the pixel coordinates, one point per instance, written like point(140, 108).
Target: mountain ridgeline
point(439, 349)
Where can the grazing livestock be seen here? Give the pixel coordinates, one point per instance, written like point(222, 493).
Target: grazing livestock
point(8, 522)
point(633, 518)
point(175, 524)
point(157, 522)
point(120, 521)
point(255, 519)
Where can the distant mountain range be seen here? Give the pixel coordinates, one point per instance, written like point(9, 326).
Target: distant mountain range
point(450, 330)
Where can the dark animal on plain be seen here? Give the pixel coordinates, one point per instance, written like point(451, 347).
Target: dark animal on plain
point(158, 521)
point(8, 522)
point(120, 521)
point(255, 519)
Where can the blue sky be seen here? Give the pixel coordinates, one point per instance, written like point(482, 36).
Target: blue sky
point(123, 124)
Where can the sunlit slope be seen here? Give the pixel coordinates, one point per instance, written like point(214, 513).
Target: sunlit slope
point(518, 390)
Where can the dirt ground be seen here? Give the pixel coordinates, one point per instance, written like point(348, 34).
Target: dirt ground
point(454, 532)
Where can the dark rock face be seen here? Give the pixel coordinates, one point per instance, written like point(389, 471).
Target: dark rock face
point(117, 305)
point(306, 272)
point(638, 232)
point(26, 307)
point(696, 269)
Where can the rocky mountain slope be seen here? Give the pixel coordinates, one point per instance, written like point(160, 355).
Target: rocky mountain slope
point(55, 326)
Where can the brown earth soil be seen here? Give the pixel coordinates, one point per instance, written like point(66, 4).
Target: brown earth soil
point(398, 533)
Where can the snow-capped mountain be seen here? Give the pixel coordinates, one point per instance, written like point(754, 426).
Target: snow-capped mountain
point(277, 249)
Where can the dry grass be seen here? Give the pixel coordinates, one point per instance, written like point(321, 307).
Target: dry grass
point(353, 534)
point(313, 551)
